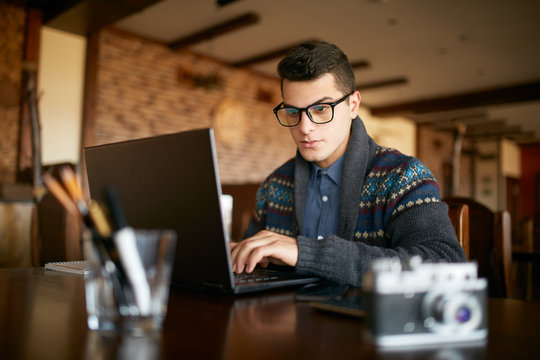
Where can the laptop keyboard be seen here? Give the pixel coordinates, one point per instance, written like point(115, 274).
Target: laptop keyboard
point(255, 276)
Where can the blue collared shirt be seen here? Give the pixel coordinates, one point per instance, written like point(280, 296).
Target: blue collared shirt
point(323, 199)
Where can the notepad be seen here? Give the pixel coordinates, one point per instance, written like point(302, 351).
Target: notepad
point(73, 267)
point(351, 306)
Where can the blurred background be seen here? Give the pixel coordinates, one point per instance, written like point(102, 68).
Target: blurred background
point(454, 83)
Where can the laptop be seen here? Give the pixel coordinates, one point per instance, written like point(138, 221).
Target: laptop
point(172, 182)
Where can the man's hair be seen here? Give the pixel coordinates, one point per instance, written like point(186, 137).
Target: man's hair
point(311, 60)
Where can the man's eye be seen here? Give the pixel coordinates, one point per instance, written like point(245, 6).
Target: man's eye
point(291, 111)
point(319, 108)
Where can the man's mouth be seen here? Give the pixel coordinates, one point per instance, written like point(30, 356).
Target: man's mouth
point(309, 143)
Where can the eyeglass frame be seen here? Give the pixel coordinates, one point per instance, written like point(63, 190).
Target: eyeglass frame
point(300, 110)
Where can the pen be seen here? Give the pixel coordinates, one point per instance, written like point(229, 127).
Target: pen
point(101, 227)
point(99, 219)
point(59, 193)
point(74, 189)
point(126, 243)
point(104, 241)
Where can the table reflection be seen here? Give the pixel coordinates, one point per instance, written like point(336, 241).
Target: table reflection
point(254, 322)
point(100, 345)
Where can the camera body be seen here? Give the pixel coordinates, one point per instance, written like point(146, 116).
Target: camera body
point(414, 303)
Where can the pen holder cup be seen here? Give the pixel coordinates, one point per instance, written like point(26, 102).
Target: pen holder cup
point(127, 288)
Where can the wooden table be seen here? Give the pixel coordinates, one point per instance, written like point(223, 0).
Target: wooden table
point(42, 316)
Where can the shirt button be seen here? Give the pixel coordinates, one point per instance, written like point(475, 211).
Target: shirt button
point(320, 237)
point(325, 198)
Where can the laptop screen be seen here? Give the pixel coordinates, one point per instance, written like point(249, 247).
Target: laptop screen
point(170, 182)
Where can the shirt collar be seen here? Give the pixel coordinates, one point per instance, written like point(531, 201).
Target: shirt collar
point(334, 171)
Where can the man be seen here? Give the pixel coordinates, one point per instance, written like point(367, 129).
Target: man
point(344, 200)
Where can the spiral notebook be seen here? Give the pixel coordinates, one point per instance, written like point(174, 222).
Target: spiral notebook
point(73, 267)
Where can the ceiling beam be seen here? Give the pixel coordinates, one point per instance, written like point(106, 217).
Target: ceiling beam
point(271, 55)
point(510, 94)
point(504, 131)
point(524, 137)
point(488, 129)
point(216, 30)
point(383, 83)
point(281, 52)
point(222, 3)
point(84, 17)
point(486, 126)
point(359, 64)
point(450, 117)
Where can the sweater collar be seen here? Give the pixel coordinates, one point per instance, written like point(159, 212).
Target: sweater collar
point(360, 151)
point(357, 158)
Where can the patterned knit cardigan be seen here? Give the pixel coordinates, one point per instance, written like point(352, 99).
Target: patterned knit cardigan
point(390, 206)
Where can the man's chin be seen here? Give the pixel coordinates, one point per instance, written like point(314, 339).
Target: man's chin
point(310, 155)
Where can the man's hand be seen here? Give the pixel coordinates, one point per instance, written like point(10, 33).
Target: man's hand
point(263, 248)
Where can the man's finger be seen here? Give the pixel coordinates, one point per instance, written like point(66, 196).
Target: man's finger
point(243, 253)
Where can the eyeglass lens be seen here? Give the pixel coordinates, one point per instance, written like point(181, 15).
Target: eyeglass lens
point(318, 113)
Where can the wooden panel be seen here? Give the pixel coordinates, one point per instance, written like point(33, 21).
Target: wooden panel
point(15, 228)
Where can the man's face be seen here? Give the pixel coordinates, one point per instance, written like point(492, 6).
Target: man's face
point(322, 144)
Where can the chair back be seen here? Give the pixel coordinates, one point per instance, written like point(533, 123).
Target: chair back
point(56, 234)
point(490, 244)
point(459, 216)
point(503, 250)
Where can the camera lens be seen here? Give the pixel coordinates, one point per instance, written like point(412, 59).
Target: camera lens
point(463, 314)
point(451, 312)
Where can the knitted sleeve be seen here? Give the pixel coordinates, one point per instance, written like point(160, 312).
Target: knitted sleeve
point(274, 203)
point(256, 223)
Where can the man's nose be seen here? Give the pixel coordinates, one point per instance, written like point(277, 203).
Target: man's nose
point(305, 125)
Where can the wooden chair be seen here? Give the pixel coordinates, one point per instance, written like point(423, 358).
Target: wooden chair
point(459, 216)
point(56, 234)
point(490, 244)
point(526, 246)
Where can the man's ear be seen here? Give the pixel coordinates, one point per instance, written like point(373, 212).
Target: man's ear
point(354, 103)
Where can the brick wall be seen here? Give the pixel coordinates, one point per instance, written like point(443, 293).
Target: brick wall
point(12, 27)
point(139, 94)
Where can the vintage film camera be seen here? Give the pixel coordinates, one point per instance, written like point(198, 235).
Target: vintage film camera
point(413, 303)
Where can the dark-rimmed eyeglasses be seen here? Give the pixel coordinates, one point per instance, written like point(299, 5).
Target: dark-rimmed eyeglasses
point(320, 113)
